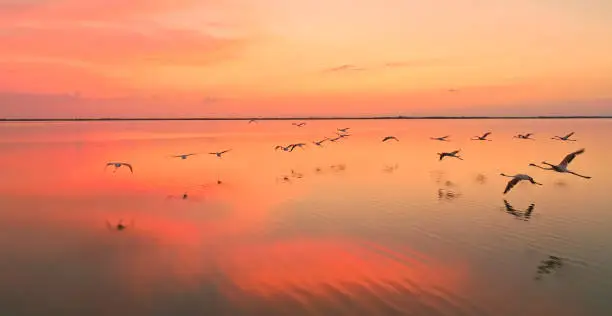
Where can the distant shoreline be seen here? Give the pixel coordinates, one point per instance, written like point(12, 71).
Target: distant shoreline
point(314, 118)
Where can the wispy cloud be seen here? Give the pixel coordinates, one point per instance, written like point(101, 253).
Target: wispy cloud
point(344, 68)
point(109, 45)
point(392, 64)
point(90, 10)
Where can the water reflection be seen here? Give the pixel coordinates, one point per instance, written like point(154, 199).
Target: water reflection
point(524, 215)
point(548, 266)
point(390, 169)
point(481, 178)
point(356, 244)
point(120, 225)
point(448, 195)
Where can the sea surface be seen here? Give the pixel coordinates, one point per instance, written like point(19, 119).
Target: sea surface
point(356, 227)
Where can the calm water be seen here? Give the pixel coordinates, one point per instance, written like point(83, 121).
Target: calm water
point(369, 228)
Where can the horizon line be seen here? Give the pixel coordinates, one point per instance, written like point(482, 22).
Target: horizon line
point(302, 118)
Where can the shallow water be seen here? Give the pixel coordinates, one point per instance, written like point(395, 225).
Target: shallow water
point(369, 228)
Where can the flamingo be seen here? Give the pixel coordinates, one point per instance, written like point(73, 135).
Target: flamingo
point(284, 148)
point(390, 138)
point(343, 130)
point(218, 154)
point(516, 179)
point(117, 165)
point(252, 121)
point(442, 139)
point(301, 124)
point(565, 138)
point(301, 145)
point(525, 136)
point(333, 140)
point(319, 143)
point(562, 167)
point(483, 137)
point(343, 135)
point(184, 156)
point(450, 154)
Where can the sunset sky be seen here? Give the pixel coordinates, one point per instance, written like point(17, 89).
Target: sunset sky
point(66, 58)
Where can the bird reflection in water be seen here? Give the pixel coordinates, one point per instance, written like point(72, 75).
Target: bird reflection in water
point(390, 169)
point(548, 266)
point(447, 195)
point(119, 226)
point(481, 178)
point(287, 178)
point(339, 167)
point(522, 215)
point(296, 174)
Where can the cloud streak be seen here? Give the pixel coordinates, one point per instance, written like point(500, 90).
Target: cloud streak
point(388, 65)
point(107, 45)
point(344, 68)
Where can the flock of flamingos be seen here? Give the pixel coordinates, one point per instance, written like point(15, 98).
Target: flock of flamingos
point(341, 133)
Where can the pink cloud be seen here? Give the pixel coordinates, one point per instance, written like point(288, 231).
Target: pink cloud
point(93, 10)
point(118, 45)
point(42, 77)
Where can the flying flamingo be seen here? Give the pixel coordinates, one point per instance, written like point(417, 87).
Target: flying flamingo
point(390, 138)
point(565, 138)
point(301, 145)
point(524, 136)
point(483, 137)
point(183, 156)
point(450, 154)
point(117, 165)
point(516, 179)
point(442, 139)
point(562, 167)
point(320, 143)
point(301, 124)
point(218, 154)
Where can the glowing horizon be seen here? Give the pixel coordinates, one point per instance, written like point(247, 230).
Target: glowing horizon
point(272, 57)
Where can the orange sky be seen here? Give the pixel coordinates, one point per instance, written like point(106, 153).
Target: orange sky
point(278, 57)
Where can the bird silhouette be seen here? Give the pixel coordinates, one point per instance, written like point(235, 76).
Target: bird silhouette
point(516, 179)
point(483, 137)
point(562, 167)
point(565, 138)
point(390, 138)
point(450, 154)
point(218, 154)
point(117, 165)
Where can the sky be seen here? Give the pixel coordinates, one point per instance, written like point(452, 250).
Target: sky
point(103, 58)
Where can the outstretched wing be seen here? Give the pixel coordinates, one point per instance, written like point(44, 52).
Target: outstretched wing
point(223, 152)
point(571, 157)
point(569, 135)
point(511, 184)
point(486, 134)
point(129, 166)
point(455, 152)
point(445, 137)
point(528, 135)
